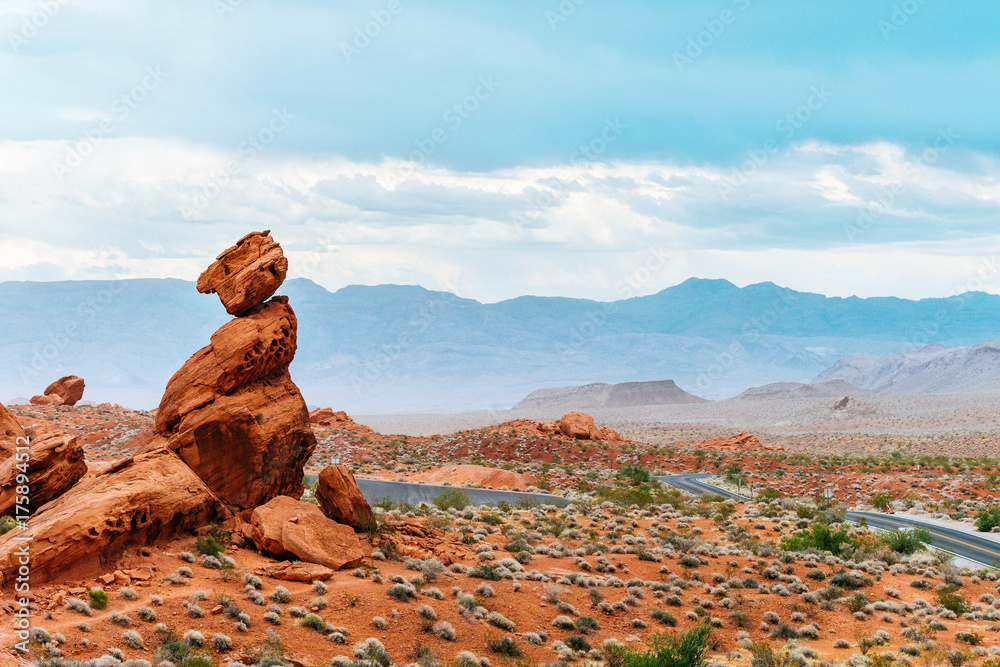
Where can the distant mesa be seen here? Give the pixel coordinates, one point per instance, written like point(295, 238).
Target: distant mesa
point(603, 395)
point(929, 369)
point(66, 390)
point(777, 391)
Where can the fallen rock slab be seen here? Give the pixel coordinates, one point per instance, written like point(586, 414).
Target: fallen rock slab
point(287, 528)
point(152, 496)
point(340, 499)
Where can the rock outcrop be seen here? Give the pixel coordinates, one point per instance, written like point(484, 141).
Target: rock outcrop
point(55, 463)
point(289, 528)
point(232, 411)
point(10, 431)
point(576, 425)
point(340, 499)
point(66, 390)
point(246, 274)
point(338, 420)
point(141, 499)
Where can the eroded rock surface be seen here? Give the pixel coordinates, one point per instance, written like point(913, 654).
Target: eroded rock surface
point(341, 500)
point(66, 390)
point(55, 463)
point(289, 528)
point(247, 273)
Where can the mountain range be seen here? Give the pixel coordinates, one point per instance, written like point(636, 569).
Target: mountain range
point(394, 348)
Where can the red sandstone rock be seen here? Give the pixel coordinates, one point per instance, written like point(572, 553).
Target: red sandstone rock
point(10, 431)
point(233, 413)
point(304, 572)
point(580, 426)
point(246, 274)
point(610, 435)
point(55, 463)
point(66, 390)
point(149, 497)
point(286, 527)
point(339, 420)
point(341, 500)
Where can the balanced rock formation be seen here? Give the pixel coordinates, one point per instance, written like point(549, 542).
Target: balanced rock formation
point(246, 274)
point(341, 500)
point(66, 390)
point(55, 463)
point(338, 420)
point(10, 433)
point(289, 528)
point(141, 499)
point(577, 425)
point(232, 411)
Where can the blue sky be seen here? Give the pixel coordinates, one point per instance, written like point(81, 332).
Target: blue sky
point(498, 149)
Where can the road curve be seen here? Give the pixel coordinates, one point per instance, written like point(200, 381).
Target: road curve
point(415, 494)
point(967, 545)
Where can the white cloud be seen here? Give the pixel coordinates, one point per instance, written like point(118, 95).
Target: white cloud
point(575, 230)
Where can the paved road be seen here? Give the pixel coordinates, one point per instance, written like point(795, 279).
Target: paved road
point(415, 494)
point(974, 547)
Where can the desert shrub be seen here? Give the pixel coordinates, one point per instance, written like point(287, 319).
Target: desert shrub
point(486, 571)
point(906, 541)
point(564, 622)
point(763, 654)
point(664, 617)
point(987, 519)
point(427, 612)
point(127, 593)
point(253, 580)
point(578, 643)
point(497, 619)
point(77, 605)
point(374, 651)
point(280, 594)
point(685, 650)
point(821, 537)
point(850, 580)
point(314, 622)
point(380, 622)
point(402, 592)
point(505, 646)
point(952, 601)
point(272, 618)
point(132, 639)
point(119, 618)
point(146, 614)
point(294, 612)
point(587, 624)
point(221, 642)
point(784, 631)
point(444, 630)
point(209, 546)
point(98, 598)
point(452, 498)
point(817, 575)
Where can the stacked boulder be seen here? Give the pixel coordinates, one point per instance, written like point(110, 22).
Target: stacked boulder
point(579, 426)
point(66, 390)
point(231, 441)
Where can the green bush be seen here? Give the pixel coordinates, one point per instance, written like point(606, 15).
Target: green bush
point(988, 519)
point(635, 474)
point(452, 498)
point(952, 601)
point(906, 541)
point(208, 546)
point(98, 598)
point(7, 524)
point(578, 643)
point(505, 646)
point(685, 650)
point(820, 537)
point(314, 622)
